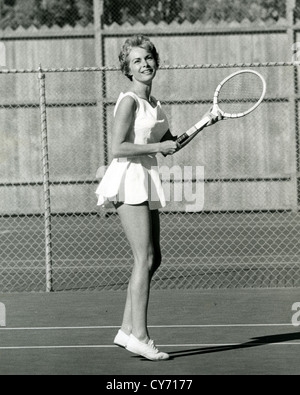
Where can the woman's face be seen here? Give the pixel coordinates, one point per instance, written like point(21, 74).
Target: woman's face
point(142, 65)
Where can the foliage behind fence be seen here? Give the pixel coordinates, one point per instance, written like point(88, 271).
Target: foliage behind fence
point(71, 12)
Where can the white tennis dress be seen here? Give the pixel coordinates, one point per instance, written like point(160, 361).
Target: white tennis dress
point(136, 180)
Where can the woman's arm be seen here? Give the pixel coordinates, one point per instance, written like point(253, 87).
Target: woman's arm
point(123, 124)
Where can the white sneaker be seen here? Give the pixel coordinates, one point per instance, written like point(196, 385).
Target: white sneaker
point(148, 351)
point(121, 339)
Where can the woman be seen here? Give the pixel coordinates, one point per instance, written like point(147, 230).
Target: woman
point(133, 184)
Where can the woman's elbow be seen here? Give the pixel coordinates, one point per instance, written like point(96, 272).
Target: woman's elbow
point(116, 152)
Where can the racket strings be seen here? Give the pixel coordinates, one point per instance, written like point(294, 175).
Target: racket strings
point(240, 93)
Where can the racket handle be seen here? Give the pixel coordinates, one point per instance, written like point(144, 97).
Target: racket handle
point(185, 138)
point(181, 139)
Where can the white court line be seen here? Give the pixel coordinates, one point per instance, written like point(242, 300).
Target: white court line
point(150, 326)
point(159, 345)
point(54, 347)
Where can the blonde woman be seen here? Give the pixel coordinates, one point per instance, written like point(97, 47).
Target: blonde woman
point(133, 185)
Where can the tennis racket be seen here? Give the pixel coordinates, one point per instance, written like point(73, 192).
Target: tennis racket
point(236, 96)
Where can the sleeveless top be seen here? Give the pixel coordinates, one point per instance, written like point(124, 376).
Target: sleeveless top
point(136, 179)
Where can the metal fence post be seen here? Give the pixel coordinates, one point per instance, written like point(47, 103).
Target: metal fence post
point(100, 76)
point(46, 181)
point(293, 112)
point(98, 27)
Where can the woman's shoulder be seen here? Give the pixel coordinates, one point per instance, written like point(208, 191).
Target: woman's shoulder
point(126, 101)
point(129, 94)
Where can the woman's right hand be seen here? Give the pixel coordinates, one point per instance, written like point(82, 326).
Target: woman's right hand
point(168, 147)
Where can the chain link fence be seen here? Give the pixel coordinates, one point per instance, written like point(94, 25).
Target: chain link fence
point(21, 235)
point(55, 134)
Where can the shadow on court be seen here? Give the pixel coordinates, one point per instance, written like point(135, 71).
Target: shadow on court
point(255, 342)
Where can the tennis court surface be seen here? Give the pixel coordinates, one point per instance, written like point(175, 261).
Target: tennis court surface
point(206, 332)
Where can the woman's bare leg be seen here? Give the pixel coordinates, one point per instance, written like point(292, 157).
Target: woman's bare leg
point(142, 230)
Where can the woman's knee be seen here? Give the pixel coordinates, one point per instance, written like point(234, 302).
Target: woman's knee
point(149, 261)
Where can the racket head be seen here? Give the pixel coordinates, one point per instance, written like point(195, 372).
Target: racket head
point(239, 94)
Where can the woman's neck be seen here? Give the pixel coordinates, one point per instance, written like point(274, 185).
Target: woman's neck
point(143, 91)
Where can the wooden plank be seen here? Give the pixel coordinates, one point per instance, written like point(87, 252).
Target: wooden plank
point(247, 196)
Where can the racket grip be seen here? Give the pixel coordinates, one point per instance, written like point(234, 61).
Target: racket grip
point(186, 137)
point(182, 139)
point(179, 141)
point(192, 132)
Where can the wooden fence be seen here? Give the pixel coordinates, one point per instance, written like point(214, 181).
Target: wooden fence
point(253, 168)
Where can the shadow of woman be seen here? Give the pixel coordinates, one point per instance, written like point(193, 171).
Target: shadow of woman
point(254, 342)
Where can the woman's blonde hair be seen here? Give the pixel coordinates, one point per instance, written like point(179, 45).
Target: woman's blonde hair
point(136, 41)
